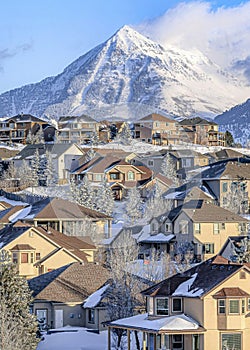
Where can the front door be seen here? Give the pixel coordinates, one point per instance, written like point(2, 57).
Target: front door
point(58, 318)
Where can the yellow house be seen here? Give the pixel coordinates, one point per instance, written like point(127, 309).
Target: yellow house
point(205, 225)
point(36, 251)
point(206, 307)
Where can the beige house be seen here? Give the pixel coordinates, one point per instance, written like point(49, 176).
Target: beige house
point(77, 129)
point(68, 217)
point(205, 225)
point(157, 129)
point(206, 307)
point(36, 251)
point(59, 296)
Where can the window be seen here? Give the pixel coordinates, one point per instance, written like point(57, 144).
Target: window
point(248, 304)
point(15, 258)
point(234, 306)
point(216, 228)
point(231, 341)
point(196, 342)
point(183, 227)
point(24, 258)
point(197, 228)
point(221, 306)
point(223, 226)
point(177, 341)
point(98, 177)
point(243, 306)
point(176, 304)
point(242, 275)
point(150, 305)
point(131, 175)
point(38, 256)
point(168, 227)
point(31, 234)
point(150, 163)
point(224, 187)
point(208, 248)
point(162, 306)
point(31, 258)
point(114, 176)
point(91, 316)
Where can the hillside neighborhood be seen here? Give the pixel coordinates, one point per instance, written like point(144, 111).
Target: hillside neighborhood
point(136, 232)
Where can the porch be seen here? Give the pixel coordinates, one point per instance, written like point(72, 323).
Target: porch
point(172, 332)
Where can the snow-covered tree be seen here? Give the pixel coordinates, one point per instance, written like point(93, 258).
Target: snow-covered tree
point(168, 168)
point(39, 135)
point(50, 173)
point(25, 173)
point(104, 201)
point(89, 155)
point(86, 194)
point(18, 326)
point(125, 135)
point(241, 252)
point(94, 140)
point(236, 199)
point(156, 205)
point(35, 168)
point(133, 205)
point(123, 294)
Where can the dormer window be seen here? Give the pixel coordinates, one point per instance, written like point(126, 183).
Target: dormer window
point(168, 227)
point(162, 306)
point(131, 175)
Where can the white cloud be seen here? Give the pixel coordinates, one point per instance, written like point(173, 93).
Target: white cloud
point(223, 34)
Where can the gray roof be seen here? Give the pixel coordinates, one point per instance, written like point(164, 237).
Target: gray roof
point(57, 149)
point(10, 233)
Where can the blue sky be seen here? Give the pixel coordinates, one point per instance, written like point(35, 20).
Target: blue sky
point(39, 38)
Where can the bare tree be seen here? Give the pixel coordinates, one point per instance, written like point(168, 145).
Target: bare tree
point(236, 199)
point(168, 168)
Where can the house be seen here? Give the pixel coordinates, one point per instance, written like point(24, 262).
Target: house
point(205, 225)
point(205, 132)
point(16, 128)
point(63, 157)
point(77, 129)
point(162, 182)
point(120, 174)
point(226, 178)
point(203, 308)
point(67, 217)
point(157, 129)
point(35, 250)
point(223, 154)
point(59, 295)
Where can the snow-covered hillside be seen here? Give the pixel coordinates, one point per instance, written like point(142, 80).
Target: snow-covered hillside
point(130, 70)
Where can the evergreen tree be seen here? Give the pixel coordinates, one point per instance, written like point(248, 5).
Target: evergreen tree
point(89, 155)
point(241, 252)
point(18, 326)
point(105, 198)
point(86, 194)
point(168, 168)
point(25, 173)
point(134, 205)
point(49, 171)
point(39, 136)
point(229, 139)
point(35, 168)
point(125, 135)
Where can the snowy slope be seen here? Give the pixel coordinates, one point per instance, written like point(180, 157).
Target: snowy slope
point(130, 70)
point(237, 121)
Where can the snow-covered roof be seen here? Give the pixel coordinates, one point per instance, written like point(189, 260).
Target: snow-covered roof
point(95, 298)
point(158, 238)
point(170, 323)
point(19, 215)
point(185, 291)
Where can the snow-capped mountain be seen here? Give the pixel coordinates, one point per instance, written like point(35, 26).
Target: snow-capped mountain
point(237, 121)
point(133, 71)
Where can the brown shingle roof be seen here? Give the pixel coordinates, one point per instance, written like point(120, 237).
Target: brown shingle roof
point(231, 292)
point(236, 170)
point(207, 212)
point(74, 284)
point(157, 117)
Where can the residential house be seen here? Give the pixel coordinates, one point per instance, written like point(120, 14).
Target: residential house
point(68, 217)
point(157, 129)
point(225, 154)
point(77, 129)
point(16, 128)
point(120, 174)
point(203, 308)
point(64, 156)
point(206, 226)
point(59, 296)
point(205, 132)
point(35, 250)
point(228, 176)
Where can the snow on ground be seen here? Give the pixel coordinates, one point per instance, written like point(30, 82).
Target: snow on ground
point(76, 338)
